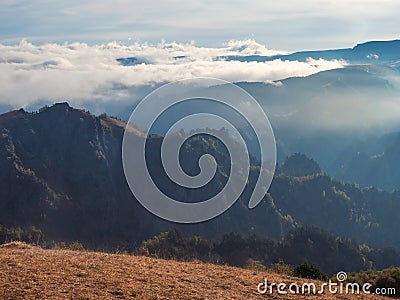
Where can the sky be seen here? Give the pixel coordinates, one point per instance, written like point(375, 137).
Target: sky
point(56, 51)
point(288, 25)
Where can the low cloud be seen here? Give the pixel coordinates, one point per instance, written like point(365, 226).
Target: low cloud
point(79, 73)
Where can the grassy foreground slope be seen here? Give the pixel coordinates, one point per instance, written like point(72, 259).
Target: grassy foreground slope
point(28, 272)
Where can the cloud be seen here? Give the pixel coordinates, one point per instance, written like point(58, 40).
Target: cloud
point(78, 72)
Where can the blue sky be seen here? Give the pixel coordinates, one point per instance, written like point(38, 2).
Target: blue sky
point(289, 25)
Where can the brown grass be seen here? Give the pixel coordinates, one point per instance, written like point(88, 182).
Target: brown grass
point(28, 272)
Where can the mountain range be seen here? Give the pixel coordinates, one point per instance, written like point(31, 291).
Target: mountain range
point(342, 118)
point(61, 171)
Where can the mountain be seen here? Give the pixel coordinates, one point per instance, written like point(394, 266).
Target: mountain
point(365, 53)
point(58, 169)
point(61, 172)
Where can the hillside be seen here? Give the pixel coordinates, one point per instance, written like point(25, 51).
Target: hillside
point(28, 272)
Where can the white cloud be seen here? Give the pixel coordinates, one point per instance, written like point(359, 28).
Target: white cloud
point(78, 72)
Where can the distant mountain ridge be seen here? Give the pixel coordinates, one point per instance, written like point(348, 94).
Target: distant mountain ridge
point(368, 52)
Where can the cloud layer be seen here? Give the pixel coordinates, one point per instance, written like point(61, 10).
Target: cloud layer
point(78, 72)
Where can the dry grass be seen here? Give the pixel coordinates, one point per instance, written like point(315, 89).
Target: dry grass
point(16, 245)
point(28, 272)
